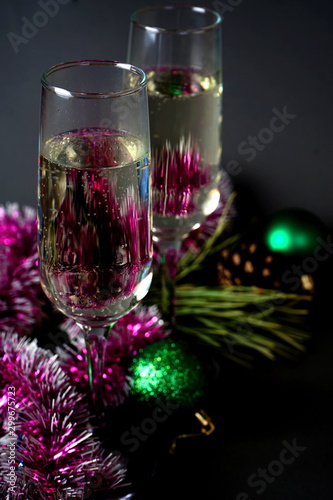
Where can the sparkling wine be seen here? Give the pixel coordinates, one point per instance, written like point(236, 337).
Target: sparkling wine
point(95, 224)
point(185, 120)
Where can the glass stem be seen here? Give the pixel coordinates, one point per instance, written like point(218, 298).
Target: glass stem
point(95, 340)
point(169, 252)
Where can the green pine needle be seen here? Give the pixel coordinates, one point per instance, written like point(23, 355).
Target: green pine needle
point(243, 317)
point(237, 321)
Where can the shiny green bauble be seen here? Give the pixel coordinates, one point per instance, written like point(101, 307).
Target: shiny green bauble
point(167, 370)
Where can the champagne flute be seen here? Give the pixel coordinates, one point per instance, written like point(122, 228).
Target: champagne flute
point(94, 199)
point(179, 48)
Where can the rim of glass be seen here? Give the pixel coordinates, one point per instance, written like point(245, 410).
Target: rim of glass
point(194, 8)
point(63, 92)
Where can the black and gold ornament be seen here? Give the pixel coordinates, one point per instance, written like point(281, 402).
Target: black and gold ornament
point(263, 256)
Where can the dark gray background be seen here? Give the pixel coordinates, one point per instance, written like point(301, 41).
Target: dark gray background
point(277, 53)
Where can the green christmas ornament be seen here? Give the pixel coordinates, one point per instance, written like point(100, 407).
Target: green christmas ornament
point(167, 370)
point(293, 232)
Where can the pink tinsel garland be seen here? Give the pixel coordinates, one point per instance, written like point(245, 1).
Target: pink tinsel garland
point(55, 451)
point(22, 302)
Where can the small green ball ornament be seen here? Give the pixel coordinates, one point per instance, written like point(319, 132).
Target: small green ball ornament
point(293, 232)
point(167, 370)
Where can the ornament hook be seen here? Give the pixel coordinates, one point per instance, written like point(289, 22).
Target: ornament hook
point(207, 427)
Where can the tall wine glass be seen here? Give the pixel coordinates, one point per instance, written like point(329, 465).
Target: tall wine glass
point(94, 190)
point(179, 47)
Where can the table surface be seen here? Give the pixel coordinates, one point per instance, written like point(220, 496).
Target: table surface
point(274, 429)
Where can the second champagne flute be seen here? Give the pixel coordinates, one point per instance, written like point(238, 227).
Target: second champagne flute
point(179, 47)
point(94, 213)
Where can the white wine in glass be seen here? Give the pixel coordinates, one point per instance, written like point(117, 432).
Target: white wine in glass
point(180, 49)
point(94, 216)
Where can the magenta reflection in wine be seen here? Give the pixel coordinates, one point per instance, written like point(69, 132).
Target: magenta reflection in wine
point(95, 245)
point(186, 127)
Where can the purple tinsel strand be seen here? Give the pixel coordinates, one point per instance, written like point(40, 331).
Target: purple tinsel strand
point(55, 450)
point(195, 239)
point(177, 178)
point(22, 302)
